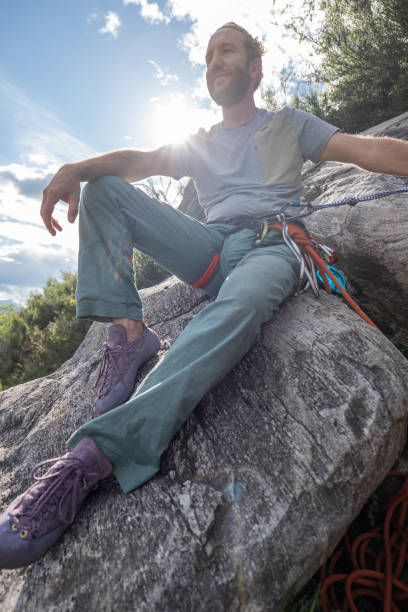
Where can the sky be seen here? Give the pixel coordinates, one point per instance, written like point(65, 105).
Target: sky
point(82, 77)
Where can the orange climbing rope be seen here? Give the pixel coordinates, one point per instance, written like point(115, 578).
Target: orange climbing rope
point(377, 562)
point(305, 244)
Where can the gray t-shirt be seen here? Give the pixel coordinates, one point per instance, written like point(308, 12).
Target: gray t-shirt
point(254, 168)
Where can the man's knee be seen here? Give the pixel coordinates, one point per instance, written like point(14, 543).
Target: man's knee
point(251, 306)
point(106, 184)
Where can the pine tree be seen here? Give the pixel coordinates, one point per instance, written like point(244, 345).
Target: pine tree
point(363, 46)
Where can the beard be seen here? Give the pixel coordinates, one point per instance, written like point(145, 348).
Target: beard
point(234, 91)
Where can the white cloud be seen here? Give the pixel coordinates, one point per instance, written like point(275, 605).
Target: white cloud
point(25, 268)
point(22, 172)
point(149, 11)
point(112, 24)
point(20, 213)
point(16, 295)
point(41, 133)
point(38, 158)
point(161, 76)
point(28, 253)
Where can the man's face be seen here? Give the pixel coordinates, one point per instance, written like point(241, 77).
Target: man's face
point(228, 73)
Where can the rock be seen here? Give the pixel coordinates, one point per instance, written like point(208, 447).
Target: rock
point(254, 491)
point(189, 204)
point(371, 238)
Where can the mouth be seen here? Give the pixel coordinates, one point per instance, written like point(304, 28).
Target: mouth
point(220, 76)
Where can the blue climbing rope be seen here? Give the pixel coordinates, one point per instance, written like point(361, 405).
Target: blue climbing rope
point(349, 200)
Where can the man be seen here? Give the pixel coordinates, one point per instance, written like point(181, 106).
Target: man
point(246, 166)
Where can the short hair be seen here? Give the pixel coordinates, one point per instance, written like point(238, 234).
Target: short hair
point(254, 48)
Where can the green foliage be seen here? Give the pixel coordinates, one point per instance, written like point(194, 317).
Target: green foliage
point(37, 339)
point(363, 45)
point(147, 271)
point(12, 335)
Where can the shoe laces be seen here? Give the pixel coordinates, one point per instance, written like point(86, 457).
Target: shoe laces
point(58, 498)
point(108, 366)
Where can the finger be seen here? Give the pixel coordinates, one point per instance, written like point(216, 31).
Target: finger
point(73, 204)
point(56, 224)
point(47, 208)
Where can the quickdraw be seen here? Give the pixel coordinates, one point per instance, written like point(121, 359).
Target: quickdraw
point(310, 261)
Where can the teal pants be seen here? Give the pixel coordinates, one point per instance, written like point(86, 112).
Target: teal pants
point(248, 286)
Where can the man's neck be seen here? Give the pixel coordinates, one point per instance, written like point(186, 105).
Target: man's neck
point(238, 114)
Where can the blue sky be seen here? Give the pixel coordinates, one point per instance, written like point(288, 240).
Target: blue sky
point(82, 77)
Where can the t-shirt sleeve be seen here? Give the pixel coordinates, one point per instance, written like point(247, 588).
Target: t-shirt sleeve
point(313, 133)
point(183, 156)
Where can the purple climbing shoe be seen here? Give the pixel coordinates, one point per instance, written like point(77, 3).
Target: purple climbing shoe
point(120, 363)
point(38, 517)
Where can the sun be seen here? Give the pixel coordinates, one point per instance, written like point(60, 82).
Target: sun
point(174, 119)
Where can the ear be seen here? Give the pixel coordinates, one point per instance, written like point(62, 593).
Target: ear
point(255, 68)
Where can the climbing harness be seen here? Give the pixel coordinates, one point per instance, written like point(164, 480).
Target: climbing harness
point(206, 277)
point(316, 259)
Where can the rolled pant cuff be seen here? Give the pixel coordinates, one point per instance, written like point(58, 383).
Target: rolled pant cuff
point(105, 312)
point(127, 472)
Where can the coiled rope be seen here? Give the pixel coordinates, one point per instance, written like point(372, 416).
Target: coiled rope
point(374, 565)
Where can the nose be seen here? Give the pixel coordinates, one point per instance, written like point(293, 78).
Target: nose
point(216, 62)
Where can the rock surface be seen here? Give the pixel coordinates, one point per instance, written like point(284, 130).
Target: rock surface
point(254, 491)
point(371, 238)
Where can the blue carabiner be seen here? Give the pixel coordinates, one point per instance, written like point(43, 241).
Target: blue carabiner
point(339, 276)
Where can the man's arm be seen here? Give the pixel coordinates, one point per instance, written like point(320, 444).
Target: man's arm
point(130, 165)
point(384, 155)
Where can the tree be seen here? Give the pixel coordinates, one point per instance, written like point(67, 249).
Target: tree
point(38, 338)
point(363, 45)
point(12, 334)
point(147, 271)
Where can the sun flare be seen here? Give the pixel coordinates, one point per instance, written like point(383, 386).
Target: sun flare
point(174, 119)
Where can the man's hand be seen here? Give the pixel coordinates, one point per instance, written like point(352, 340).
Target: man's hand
point(128, 164)
point(65, 186)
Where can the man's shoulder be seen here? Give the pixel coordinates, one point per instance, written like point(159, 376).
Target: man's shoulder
point(205, 134)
